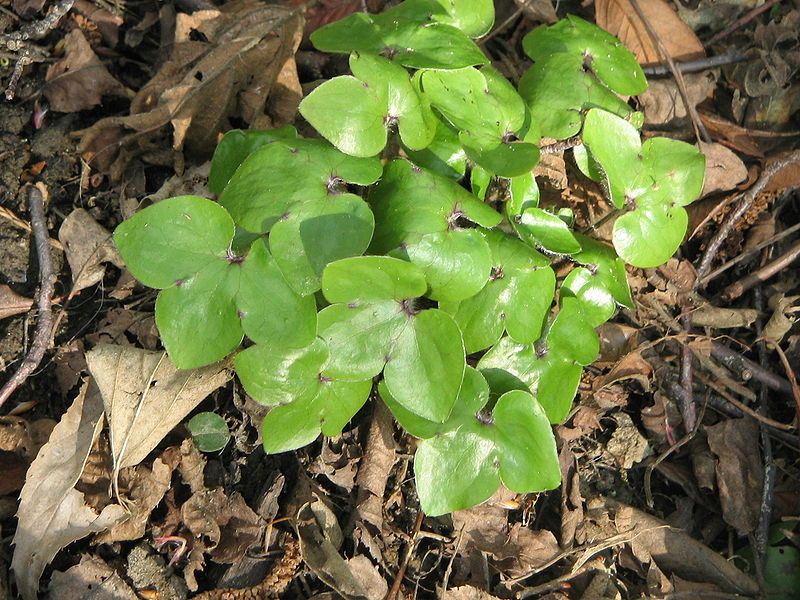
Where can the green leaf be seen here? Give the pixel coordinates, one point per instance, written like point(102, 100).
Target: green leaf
point(409, 202)
point(235, 146)
point(425, 365)
point(299, 423)
point(404, 39)
point(273, 374)
point(606, 267)
point(444, 156)
point(571, 336)
point(403, 104)
point(540, 227)
point(516, 298)
point(577, 65)
point(210, 297)
point(456, 264)
point(317, 234)
point(463, 467)
point(596, 300)
point(174, 239)
point(209, 431)
point(524, 194)
point(472, 397)
point(349, 114)
point(652, 181)
point(479, 181)
point(365, 278)
point(473, 17)
point(500, 158)
point(277, 179)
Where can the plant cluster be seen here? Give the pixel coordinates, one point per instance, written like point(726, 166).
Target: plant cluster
point(349, 272)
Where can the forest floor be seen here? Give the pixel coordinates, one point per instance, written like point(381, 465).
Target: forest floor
point(647, 508)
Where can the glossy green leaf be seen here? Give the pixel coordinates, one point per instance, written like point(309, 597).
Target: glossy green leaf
point(273, 374)
point(317, 234)
point(278, 178)
point(516, 298)
point(456, 263)
point(651, 181)
point(523, 194)
point(606, 267)
point(174, 239)
point(402, 38)
point(547, 230)
point(299, 423)
point(503, 159)
point(409, 203)
point(577, 65)
point(235, 146)
point(209, 431)
point(571, 335)
point(479, 181)
point(364, 278)
point(443, 156)
point(596, 300)
point(473, 17)
point(425, 365)
point(461, 468)
point(349, 114)
point(210, 297)
point(472, 397)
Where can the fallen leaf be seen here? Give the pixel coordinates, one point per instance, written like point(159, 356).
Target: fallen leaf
point(724, 169)
point(749, 141)
point(619, 18)
point(724, 318)
point(88, 246)
point(467, 592)
point(627, 446)
point(91, 579)
point(107, 23)
point(52, 513)
point(13, 467)
point(338, 462)
point(781, 321)
point(662, 103)
point(321, 556)
point(204, 84)
point(630, 366)
point(145, 396)
point(369, 576)
point(11, 303)
point(79, 80)
point(739, 471)
point(538, 10)
point(676, 552)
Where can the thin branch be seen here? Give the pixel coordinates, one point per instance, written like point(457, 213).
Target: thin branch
point(695, 66)
point(744, 20)
point(401, 572)
point(747, 369)
point(47, 277)
point(737, 288)
point(741, 209)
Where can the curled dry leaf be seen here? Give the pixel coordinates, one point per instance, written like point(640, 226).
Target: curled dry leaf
point(11, 303)
point(739, 471)
point(627, 446)
point(79, 80)
point(782, 319)
point(723, 169)
point(201, 87)
point(88, 247)
point(91, 579)
point(145, 396)
point(662, 103)
point(52, 513)
point(724, 318)
point(619, 18)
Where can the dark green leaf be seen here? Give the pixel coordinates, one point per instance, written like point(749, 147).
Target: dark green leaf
point(209, 431)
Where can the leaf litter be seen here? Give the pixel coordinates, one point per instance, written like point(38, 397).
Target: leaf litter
point(578, 542)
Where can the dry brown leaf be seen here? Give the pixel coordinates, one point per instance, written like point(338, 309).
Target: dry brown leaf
point(79, 80)
point(630, 366)
point(145, 396)
point(52, 513)
point(108, 24)
point(676, 552)
point(739, 471)
point(146, 489)
point(538, 10)
point(321, 556)
point(781, 321)
point(627, 446)
point(201, 87)
point(723, 169)
point(619, 18)
point(11, 303)
point(91, 579)
point(662, 103)
point(88, 246)
point(724, 318)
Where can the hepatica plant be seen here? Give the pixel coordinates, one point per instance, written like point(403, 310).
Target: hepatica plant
point(369, 264)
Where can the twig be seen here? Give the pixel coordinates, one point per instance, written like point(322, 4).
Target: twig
point(747, 369)
point(749, 254)
point(737, 288)
point(500, 28)
point(695, 66)
point(741, 21)
point(560, 146)
point(47, 277)
point(401, 572)
point(687, 405)
point(741, 209)
point(699, 129)
point(789, 375)
point(25, 226)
